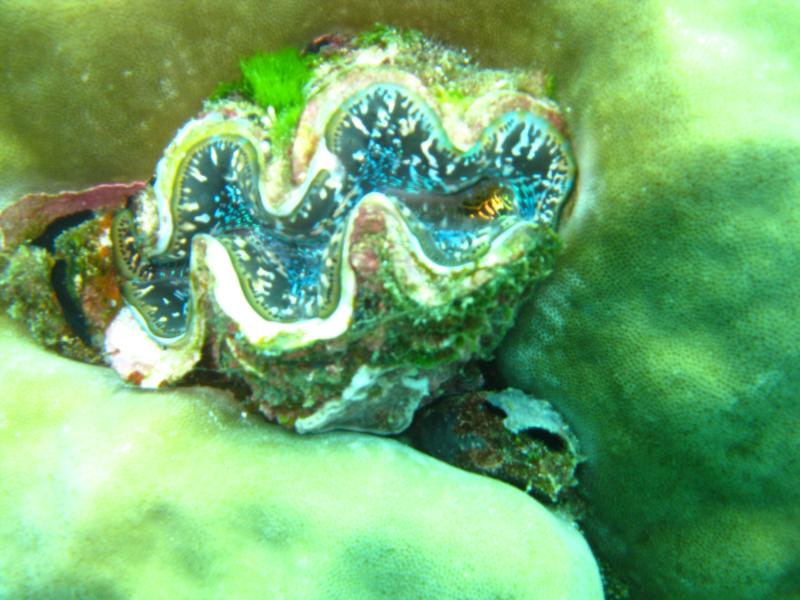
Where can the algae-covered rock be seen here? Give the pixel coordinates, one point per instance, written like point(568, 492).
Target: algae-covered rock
point(109, 492)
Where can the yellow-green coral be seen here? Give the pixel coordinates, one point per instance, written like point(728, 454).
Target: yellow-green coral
point(115, 493)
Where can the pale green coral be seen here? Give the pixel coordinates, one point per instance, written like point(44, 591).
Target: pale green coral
point(115, 493)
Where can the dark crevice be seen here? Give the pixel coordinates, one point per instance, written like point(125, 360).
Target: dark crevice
point(73, 314)
point(553, 441)
point(204, 374)
point(493, 380)
point(494, 410)
point(48, 238)
point(222, 381)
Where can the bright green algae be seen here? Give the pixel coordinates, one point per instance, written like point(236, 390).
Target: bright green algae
point(277, 80)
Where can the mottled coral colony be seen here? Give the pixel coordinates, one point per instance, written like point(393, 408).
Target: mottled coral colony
point(340, 231)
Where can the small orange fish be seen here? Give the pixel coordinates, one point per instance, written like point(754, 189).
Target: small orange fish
point(496, 203)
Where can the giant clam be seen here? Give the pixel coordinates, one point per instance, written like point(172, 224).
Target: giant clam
point(348, 274)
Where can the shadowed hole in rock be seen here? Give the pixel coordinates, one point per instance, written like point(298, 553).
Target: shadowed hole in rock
point(493, 410)
point(59, 279)
point(492, 379)
point(553, 441)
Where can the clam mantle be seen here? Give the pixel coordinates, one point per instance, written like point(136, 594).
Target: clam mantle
point(346, 274)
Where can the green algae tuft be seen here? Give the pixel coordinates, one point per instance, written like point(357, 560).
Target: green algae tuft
point(276, 80)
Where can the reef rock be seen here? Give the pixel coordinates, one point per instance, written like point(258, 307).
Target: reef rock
point(507, 435)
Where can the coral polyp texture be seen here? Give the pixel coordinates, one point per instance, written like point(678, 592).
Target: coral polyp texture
point(345, 273)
